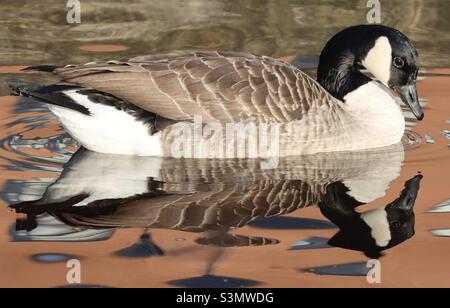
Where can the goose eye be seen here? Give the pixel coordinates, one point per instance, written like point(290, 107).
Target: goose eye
point(399, 62)
point(396, 224)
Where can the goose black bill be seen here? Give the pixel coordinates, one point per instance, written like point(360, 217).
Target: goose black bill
point(409, 96)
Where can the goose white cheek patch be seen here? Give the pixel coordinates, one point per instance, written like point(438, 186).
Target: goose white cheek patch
point(378, 60)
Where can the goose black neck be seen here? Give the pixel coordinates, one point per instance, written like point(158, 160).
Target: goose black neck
point(340, 61)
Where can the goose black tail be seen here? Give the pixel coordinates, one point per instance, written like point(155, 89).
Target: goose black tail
point(52, 95)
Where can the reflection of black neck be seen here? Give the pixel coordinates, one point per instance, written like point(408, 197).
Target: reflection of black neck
point(338, 206)
point(355, 233)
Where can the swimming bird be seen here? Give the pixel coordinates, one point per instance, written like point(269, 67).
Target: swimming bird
point(139, 106)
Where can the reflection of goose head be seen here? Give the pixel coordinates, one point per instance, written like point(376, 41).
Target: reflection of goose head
point(372, 231)
point(105, 191)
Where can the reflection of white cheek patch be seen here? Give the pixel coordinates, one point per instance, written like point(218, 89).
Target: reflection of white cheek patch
point(378, 60)
point(377, 220)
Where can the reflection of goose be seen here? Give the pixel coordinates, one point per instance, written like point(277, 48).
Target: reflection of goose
point(103, 191)
point(131, 107)
point(46, 228)
point(375, 230)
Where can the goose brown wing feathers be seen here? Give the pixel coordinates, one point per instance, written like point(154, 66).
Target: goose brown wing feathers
point(219, 86)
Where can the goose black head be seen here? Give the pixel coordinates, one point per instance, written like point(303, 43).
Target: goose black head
point(384, 52)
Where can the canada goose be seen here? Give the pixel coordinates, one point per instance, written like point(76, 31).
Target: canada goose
point(136, 107)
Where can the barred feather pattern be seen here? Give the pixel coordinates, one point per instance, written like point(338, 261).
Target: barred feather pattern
point(223, 87)
point(199, 195)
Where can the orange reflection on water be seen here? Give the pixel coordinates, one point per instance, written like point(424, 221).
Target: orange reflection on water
point(103, 48)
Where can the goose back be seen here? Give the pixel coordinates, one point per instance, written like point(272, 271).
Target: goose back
point(223, 87)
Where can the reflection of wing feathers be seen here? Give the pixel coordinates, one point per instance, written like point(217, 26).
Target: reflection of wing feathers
point(209, 210)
